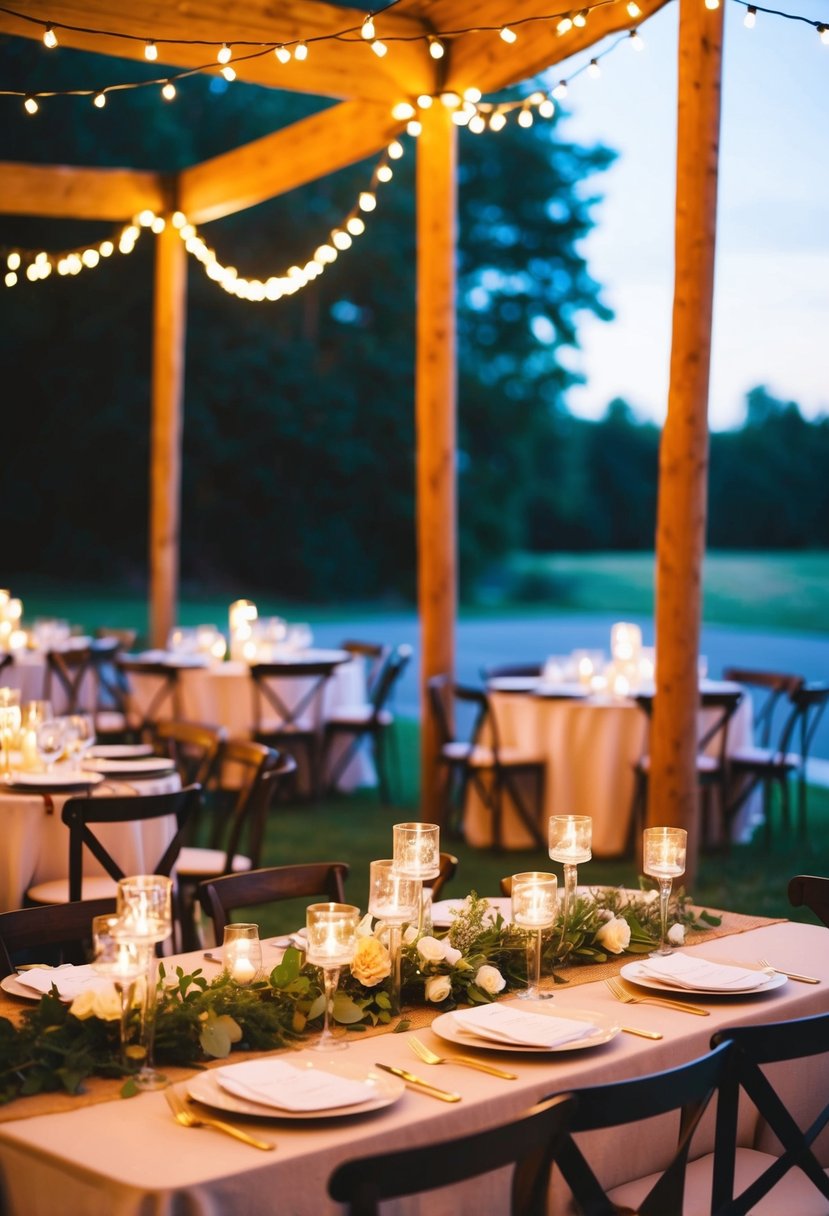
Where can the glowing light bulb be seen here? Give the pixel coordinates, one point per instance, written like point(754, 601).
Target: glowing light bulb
point(367, 201)
point(636, 40)
point(50, 38)
point(560, 90)
point(301, 52)
point(168, 90)
point(750, 19)
point(384, 173)
point(283, 54)
point(823, 34)
point(508, 35)
point(224, 53)
point(564, 26)
point(150, 50)
point(436, 48)
point(99, 100)
point(424, 101)
point(30, 105)
point(367, 30)
point(633, 8)
point(403, 110)
point(414, 128)
point(525, 118)
point(13, 261)
point(450, 100)
point(712, 4)
point(546, 108)
point(472, 94)
point(355, 225)
point(395, 149)
point(580, 19)
point(477, 124)
point(593, 69)
point(228, 72)
point(379, 48)
point(498, 121)
point(460, 117)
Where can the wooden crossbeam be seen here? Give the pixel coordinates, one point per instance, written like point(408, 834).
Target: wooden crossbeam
point(60, 191)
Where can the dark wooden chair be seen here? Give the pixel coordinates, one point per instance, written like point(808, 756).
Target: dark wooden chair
point(373, 654)
point(221, 897)
point(717, 710)
point(448, 869)
point(236, 832)
point(747, 1180)
point(373, 721)
point(470, 754)
point(812, 892)
point(160, 694)
point(497, 671)
point(53, 934)
point(292, 720)
point(771, 760)
point(685, 1091)
point(83, 679)
point(192, 746)
point(530, 1143)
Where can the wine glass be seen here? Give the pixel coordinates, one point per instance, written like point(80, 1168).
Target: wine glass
point(331, 933)
point(570, 842)
point(416, 854)
point(9, 727)
point(49, 741)
point(395, 899)
point(144, 904)
point(123, 960)
point(664, 852)
point(80, 736)
point(534, 902)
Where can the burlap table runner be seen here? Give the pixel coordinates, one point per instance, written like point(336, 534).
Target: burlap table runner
point(100, 1089)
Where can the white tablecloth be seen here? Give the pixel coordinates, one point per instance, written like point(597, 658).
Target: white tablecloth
point(129, 1158)
point(36, 841)
point(591, 746)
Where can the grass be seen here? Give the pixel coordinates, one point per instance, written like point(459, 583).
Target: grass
point(357, 829)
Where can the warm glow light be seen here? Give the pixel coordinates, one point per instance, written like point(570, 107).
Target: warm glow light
point(367, 201)
point(50, 38)
point(546, 109)
point(13, 261)
point(498, 121)
point(301, 52)
point(750, 19)
point(403, 110)
point(436, 48)
point(150, 51)
point(712, 4)
point(99, 100)
point(341, 239)
point(395, 149)
point(636, 41)
point(565, 25)
point(580, 19)
point(224, 53)
point(414, 128)
point(228, 72)
point(560, 90)
point(593, 69)
point(477, 124)
point(472, 94)
point(823, 34)
point(525, 118)
point(425, 101)
point(368, 28)
point(30, 105)
point(384, 173)
point(355, 225)
point(450, 100)
point(379, 48)
point(168, 90)
point(633, 9)
point(509, 35)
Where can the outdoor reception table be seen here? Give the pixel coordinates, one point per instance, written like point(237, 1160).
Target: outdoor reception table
point(95, 1157)
point(222, 694)
point(591, 745)
point(36, 841)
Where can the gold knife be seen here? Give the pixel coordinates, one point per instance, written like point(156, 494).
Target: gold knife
point(411, 1079)
point(644, 1034)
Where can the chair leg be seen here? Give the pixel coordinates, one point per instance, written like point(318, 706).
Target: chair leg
point(378, 747)
point(343, 760)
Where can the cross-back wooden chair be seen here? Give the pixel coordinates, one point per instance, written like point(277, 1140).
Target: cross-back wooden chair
point(54, 934)
point(529, 1143)
point(812, 892)
point(160, 693)
point(292, 719)
point(192, 746)
point(221, 897)
point(470, 754)
point(373, 654)
point(84, 678)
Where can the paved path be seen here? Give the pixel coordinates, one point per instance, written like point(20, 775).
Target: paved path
point(519, 639)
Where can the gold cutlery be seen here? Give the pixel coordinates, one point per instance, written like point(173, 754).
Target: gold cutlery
point(431, 1057)
point(644, 1034)
point(621, 993)
point(416, 1082)
point(792, 975)
point(188, 1118)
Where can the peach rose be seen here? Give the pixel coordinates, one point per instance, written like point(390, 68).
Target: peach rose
point(371, 963)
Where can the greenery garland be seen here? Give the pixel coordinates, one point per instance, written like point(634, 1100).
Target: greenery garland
point(57, 1047)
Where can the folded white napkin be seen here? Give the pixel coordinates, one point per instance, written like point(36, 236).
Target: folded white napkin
point(69, 981)
point(686, 971)
point(509, 1024)
point(281, 1085)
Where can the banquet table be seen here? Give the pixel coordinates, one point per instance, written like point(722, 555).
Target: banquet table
point(129, 1157)
point(222, 694)
point(591, 744)
point(36, 840)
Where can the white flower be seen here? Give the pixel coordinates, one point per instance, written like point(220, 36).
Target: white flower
point(489, 979)
point(605, 914)
point(103, 1003)
point(650, 897)
point(410, 935)
point(438, 988)
point(615, 935)
point(676, 935)
point(451, 955)
point(364, 928)
point(430, 950)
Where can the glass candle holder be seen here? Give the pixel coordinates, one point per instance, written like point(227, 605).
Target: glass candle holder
point(395, 899)
point(534, 904)
point(123, 960)
point(331, 933)
point(663, 858)
point(242, 952)
point(144, 904)
point(570, 839)
point(416, 853)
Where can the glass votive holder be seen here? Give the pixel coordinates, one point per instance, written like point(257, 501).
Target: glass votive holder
point(534, 899)
point(145, 904)
point(625, 642)
point(393, 897)
point(331, 934)
point(570, 838)
point(242, 952)
point(416, 849)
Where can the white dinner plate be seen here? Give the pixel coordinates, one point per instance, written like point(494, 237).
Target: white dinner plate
point(564, 689)
point(140, 766)
point(119, 751)
point(607, 1027)
point(381, 1089)
point(12, 985)
point(765, 982)
point(442, 909)
point(47, 782)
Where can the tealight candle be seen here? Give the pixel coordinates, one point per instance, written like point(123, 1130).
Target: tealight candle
point(663, 858)
point(331, 932)
point(242, 952)
point(570, 842)
point(534, 901)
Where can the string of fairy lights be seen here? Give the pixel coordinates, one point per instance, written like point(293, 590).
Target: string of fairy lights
point(468, 110)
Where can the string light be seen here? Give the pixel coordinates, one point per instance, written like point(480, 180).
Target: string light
point(750, 19)
point(564, 26)
point(282, 54)
point(225, 53)
point(379, 48)
point(823, 33)
point(99, 100)
point(50, 38)
point(508, 35)
point(436, 48)
point(633, 9)
point(39, 265)
point(368, 30)
point(150, 51)
point(228, 72)
point(593, 69)
point(712, 4)
point(30, 105)
point(168, 90)
point(301, 52)
point(580, 19)
point(636, 40)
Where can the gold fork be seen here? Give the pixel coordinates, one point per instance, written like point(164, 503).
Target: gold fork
point(621, 993)
point(188, 1118)
point(792, 975)
point(428, 1056)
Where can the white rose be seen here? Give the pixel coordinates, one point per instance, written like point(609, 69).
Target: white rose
point(103, 1003)
point(438, 988)
point(676, 935)
point(615, 935)
point(364, 928)
point(451, 955)
point(430, 950)
point(489, 979)
point(410, 935)
point(650, 897)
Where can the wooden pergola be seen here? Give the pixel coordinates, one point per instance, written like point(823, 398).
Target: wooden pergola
point(366, 88)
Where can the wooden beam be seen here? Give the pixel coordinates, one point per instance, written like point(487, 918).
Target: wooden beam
point(169, 325)
point(683, 457)
point(301, 153)
point(435, 407)
point(63, 192)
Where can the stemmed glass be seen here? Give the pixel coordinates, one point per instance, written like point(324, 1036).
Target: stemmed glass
point(121, 959)
point(145, 907)
point(9, 724)
point(416, 854)
point(395, 899)
point(331, 933)
point(80, 736)
point(49, 741)
point(664, 852)
point(534, 902)
point(570, 840)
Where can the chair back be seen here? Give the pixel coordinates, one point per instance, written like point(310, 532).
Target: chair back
point(771, 692)
point(461, 712)
point(160, 692)
point(263, 770)
point(809, 701)
point(808, 890)
point(751, 1047)
point(448, 868)
point(61, 933)
point(687, 1090)
point(82, 815)
point(291, 710)
point(384, 685)
point(530, 1143)
point(720, 708)
point(192, 746)
point(373, 654)
point(220, 897)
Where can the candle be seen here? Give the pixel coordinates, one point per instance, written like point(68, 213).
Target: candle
point(534, 896)
point(242, 970)
point(570, 838)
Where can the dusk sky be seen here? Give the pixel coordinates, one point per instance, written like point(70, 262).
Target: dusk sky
point(771, 310)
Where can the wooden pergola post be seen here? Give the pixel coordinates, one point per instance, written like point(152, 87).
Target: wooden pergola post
point(683, 456)
point(435, 425)
point(169, 326)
